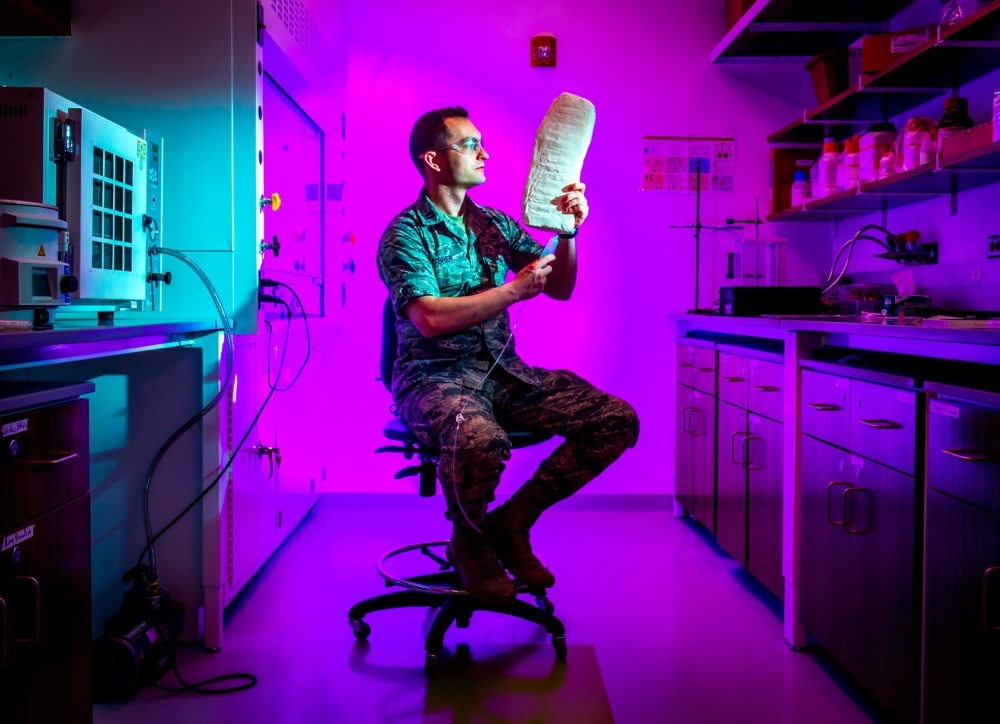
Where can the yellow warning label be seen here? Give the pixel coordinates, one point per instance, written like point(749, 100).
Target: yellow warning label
point(41, 251)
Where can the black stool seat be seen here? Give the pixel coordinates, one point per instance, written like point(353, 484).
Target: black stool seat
point(398, 430)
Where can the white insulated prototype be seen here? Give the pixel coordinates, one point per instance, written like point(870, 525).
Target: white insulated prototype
point(561, 144)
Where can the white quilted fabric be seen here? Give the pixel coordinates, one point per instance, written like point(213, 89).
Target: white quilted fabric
point(556, 161)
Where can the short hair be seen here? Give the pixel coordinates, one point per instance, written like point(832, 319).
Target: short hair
point(430, 132)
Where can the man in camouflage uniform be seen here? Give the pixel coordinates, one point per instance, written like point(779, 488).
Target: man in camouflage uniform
point(458, 380)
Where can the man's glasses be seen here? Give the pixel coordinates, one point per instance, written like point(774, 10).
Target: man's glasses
point(467, 146)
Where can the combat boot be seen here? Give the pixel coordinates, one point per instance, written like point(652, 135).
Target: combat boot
point(476, 563)
point(508, 532)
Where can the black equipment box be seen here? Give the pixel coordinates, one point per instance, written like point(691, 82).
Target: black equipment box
point(755, 301)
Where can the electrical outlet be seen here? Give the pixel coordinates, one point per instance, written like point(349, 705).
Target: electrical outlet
point(993, 246)
point(976, 276)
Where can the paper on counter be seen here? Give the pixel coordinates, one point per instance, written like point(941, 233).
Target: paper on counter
point(561, 144)
point(905, 284)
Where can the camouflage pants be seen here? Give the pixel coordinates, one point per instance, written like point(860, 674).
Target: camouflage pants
point(597, 428)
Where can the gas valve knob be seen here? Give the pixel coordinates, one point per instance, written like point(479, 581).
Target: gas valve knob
point(274, 201)
point(154, 277)
point(274, 246)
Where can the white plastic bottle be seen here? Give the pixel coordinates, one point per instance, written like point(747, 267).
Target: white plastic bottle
point(873, 146)
point(828, 169)
point(852, 161)
point(800, 188)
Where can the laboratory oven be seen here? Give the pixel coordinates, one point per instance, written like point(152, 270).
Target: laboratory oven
point(102, 180)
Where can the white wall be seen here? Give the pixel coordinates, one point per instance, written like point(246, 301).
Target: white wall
point(646, 68)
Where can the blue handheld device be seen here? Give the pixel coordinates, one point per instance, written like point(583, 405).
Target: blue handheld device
point(550, 248)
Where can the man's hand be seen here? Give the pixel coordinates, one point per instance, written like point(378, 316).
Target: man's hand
point(530, 281)
point(574, 202)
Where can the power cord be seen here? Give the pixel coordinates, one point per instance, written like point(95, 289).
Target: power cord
point(231, 364)
point(459, 419)
point(251, 680)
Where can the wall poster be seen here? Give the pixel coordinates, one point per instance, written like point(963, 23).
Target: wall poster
point(670, 164)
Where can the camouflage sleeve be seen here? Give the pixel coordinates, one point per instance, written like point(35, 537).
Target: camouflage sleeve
point(523, 249)
point(404, 266)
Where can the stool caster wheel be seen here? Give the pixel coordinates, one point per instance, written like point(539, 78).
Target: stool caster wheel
point(361, 629)
point(559, 644)
point(430, 665)
point(545, 604)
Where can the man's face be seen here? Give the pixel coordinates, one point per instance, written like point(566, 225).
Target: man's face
point(461, 166)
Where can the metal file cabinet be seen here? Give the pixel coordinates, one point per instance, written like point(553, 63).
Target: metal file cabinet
point(962, 591)
point(861, 503)
point(45, 558)
point(696, 430)
point(749, 464)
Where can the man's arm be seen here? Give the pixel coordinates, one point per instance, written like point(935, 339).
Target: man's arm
point(433, 316)
point(563, 280)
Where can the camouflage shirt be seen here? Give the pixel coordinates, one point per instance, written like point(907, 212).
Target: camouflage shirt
point(421, 254)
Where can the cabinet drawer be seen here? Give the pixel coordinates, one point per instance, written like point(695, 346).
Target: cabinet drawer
point(884, 424)
point(963, 453)
point(766, 390)
point(824, 407)
point(44, 460)
point(704, 369)
point(685, 364)
point(733, 376)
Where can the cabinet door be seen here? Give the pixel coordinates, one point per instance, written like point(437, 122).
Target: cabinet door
point(241, 495)
point(824, 545)
point(731, 523)
point(962, 620)
point(702, 427)
point(878, 512)
point(764, 497)
point(683, 488)
point(45, 586)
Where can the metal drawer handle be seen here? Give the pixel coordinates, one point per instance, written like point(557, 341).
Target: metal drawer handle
point(58, 457)
point(767, 388)
point(881, 424)
point(3, 646)
point(734, 379)
point(685, 364)
point(844, 513)
point(986, 580)
point(969, 456)
point(691, 430)
point(829, 515)
point(823, 406)
point(746, 452)
point(704, 369)
point(685, 423)
point(732, 449)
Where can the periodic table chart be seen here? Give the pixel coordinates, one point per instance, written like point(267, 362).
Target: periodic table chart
point(670, 164)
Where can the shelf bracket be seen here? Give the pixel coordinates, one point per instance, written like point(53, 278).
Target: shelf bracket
point(953, 195)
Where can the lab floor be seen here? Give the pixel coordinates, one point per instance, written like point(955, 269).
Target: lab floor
point(661, 625)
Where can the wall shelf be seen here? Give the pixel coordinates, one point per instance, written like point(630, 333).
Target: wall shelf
point(955, 55)
point(977, 167)
point(798, 29)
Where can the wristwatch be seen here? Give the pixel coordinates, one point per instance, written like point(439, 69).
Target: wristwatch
point(569, 234)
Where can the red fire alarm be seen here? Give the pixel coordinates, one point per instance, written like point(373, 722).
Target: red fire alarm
point(543, 51)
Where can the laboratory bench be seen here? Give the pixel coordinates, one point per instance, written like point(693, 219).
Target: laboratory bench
point(147, 375)
point(853, 469)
